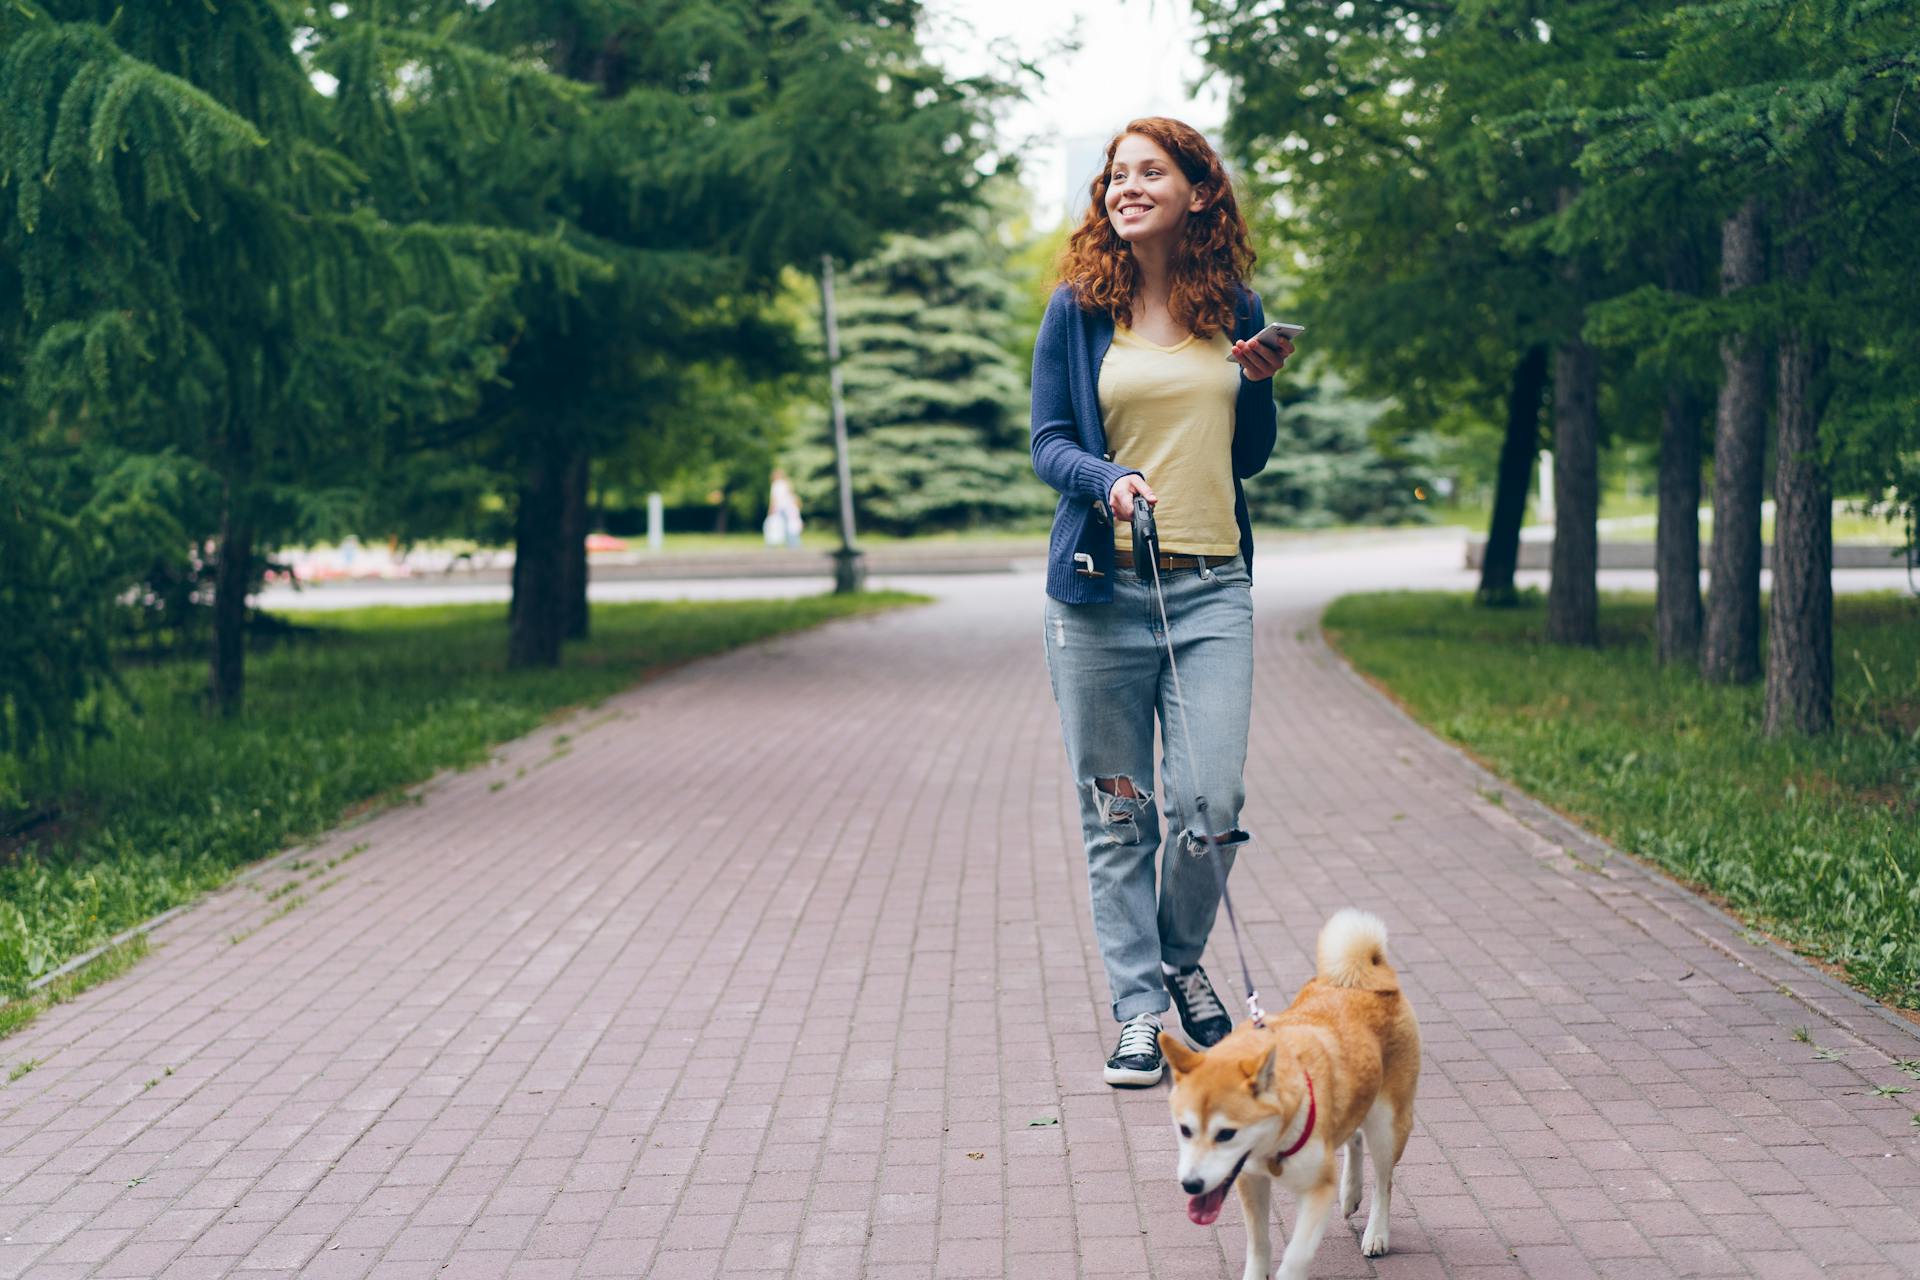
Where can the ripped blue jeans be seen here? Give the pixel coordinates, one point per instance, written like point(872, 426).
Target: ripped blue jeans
point(1108, 664)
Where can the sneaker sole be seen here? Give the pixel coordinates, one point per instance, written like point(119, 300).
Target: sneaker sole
point(1127, 1078)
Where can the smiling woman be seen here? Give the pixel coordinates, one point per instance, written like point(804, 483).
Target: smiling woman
point(1163, 189)
point(1131, 381)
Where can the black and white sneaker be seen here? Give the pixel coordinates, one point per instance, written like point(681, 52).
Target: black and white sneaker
point(1136, 1061)
point(1201, 1013)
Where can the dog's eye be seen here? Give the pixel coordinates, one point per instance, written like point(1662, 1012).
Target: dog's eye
point(1185, 1132)
point(1225, 1135)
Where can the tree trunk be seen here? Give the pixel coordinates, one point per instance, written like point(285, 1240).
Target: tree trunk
point(575, 519)
point(232, 575)
point(538, 616)
point(1573, 599)
point(1730, 653)
point(1800, 625)
point(1677, 542)
point(1516, 474)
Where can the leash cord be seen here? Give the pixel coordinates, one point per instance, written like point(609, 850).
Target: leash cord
point(1149, 534)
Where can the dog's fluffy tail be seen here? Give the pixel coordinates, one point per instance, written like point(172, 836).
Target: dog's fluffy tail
point(1353, 951)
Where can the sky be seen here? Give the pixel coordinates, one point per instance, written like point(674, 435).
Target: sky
point(1134, 58)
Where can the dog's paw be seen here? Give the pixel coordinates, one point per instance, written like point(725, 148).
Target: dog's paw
point(1374, 1242)
point(1349, 1201)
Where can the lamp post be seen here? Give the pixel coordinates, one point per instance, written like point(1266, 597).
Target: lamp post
point(849, 569)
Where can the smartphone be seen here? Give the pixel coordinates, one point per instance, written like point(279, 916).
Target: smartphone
point(1277, 329)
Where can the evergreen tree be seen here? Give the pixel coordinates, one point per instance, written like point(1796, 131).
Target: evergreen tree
point(1330, 465)
point(1432, 275)
point(76, 511)
point(1732, 645)
point(935, 397)
point(1677, 609)
point(719, 144)
point(207, 274)
point(1788, 111)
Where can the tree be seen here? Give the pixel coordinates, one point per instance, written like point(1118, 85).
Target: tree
point(935, 397)
point(1677, 613)
point(1520, 444)
point(720, 144)
point(1331, 465)
point(1773, 101)
point(1573, 600)
point(214, 279)
point(75, 514)
point(1800, 629)
point(1573, 604)
point(1434, 265)
point(1732, 649)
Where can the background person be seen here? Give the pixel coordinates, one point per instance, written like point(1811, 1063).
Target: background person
point(783, 523)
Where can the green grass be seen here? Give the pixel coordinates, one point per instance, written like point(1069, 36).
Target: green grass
point(341, 714)
point(1849, 528)
point(109, 964)
point(1815, 841)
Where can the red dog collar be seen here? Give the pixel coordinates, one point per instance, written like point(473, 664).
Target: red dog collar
point(1305, 1133)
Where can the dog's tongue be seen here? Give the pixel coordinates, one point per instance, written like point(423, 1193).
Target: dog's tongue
point(1204, 1209)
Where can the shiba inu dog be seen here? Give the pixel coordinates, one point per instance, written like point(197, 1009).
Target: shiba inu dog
point(1274, 1103)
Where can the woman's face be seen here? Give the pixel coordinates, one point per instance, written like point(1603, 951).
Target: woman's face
point(1147, 195)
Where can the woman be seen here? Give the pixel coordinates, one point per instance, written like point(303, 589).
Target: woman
point(1148, 388)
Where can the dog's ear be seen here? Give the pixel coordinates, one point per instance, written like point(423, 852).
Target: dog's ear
point(1181, 1058)
point(1262, 1079)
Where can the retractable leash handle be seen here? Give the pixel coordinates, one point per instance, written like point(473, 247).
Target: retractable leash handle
point(1146, 547)
point(1146, 538)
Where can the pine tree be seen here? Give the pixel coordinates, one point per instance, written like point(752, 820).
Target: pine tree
point(935, 398)
point(75, 511)
point(1435, 264)
point(1677, 608)
point(229, 290)
point(1330, 463)
point(1772, 101)
point(719, 144)
point(1732, 647)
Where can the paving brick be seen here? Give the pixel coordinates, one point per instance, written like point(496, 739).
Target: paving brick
point(780, 1001)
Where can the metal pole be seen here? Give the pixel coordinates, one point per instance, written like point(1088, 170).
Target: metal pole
point(848, 571)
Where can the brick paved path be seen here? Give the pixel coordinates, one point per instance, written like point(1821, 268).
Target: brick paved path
point(772, 966)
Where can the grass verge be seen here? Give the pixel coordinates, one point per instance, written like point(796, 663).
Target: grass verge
point(1815, 841)
point(109, 964)
point(342, 712)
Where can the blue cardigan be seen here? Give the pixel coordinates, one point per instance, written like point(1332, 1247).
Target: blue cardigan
point(1070, 444)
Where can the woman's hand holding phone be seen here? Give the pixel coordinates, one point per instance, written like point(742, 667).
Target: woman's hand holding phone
point(1266, 352)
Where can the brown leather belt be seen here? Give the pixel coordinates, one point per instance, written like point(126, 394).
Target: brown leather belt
point(1123, 558)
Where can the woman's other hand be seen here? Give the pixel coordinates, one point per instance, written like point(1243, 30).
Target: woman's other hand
point(1125, 490)
point(1258, 360)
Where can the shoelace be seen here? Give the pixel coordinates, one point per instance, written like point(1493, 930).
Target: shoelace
point(1201, 1002)
point(1139, 1037)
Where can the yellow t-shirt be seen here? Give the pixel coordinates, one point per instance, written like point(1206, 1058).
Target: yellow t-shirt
point(1168, 413)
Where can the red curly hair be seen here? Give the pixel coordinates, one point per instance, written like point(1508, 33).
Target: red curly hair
point(1212, 259)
